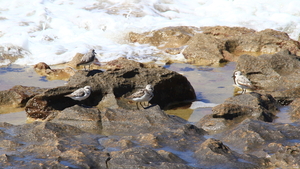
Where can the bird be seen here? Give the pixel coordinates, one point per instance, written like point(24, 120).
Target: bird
point(81, 93)
point(87, 59)
point(241, 81)
point(142, 95)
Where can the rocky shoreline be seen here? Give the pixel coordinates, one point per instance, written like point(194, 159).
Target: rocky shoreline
point(107, 131)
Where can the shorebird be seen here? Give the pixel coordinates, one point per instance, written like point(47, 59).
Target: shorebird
point(87, 59)
point(80, 94)
point(142, 95)
point(241, 81)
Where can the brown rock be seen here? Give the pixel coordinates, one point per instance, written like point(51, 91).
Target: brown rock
point(141, 157)
point(247, 41)
point(169, 37)
point(124, 121)
point(294, 111)
point(53, 74)
point(275, 74)
point(169, 88)
point(123, 63)
point(18, 95)
point(217, 44)
point(286, 156)
point(252, 134)
point(237, 108)
point(88, 119)
point(204, 49)
point(213, 152)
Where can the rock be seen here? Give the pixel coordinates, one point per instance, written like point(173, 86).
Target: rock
point(88, 119)
point(169, 37)
point(119, 121)
point(53, 74)
point(286, 156)
point(48, 102)
point(57, 145)
point(142, 157)
point(215, 45)
point(275, 74)
point(204, 49)
point(251, 134)
point(242, 40)
point(214, 154)
point(123, 63)
point(237, 108)
point(18, 95)
point(294, 111)
point(170, 88)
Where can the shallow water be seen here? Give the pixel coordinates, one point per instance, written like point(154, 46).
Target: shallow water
point(212, 86)
point(26, 76)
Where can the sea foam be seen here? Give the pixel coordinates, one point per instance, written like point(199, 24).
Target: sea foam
point(53, 31)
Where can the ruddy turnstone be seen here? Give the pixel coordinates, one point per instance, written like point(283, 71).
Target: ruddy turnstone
point(80, 94)
point(142, 95)
point(241, 81)
point(87, 59)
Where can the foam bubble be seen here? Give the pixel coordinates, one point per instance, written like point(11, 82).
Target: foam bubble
point(54, 31)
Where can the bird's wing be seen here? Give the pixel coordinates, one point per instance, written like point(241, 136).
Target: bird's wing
point(242, 80)
point(139, 93)
point(78, 93)
point(88, 57)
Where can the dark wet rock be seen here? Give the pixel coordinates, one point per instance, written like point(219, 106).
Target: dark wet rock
point(84, 118)
point(18, 95)
point(123, 121)
point(237, 108)
point(251, 134)
point(142, 157)
point(169, 88)
point(48, 102)
point(48, 145)
point(214, 154)
point(285, 156)
point(275, 74)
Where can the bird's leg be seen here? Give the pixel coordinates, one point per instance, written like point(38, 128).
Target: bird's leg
point(137, 106)
point(142, 105)
point(244, 91)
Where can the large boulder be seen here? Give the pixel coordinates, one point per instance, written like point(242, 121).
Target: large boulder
point(275, 74)
point(237, 108)
point(18, 95)
point(169, 88)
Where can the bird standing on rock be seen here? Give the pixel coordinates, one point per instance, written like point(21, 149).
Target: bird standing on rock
point(80, 94)
point(142, 95)
point(87, 59)
point(241, 81)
